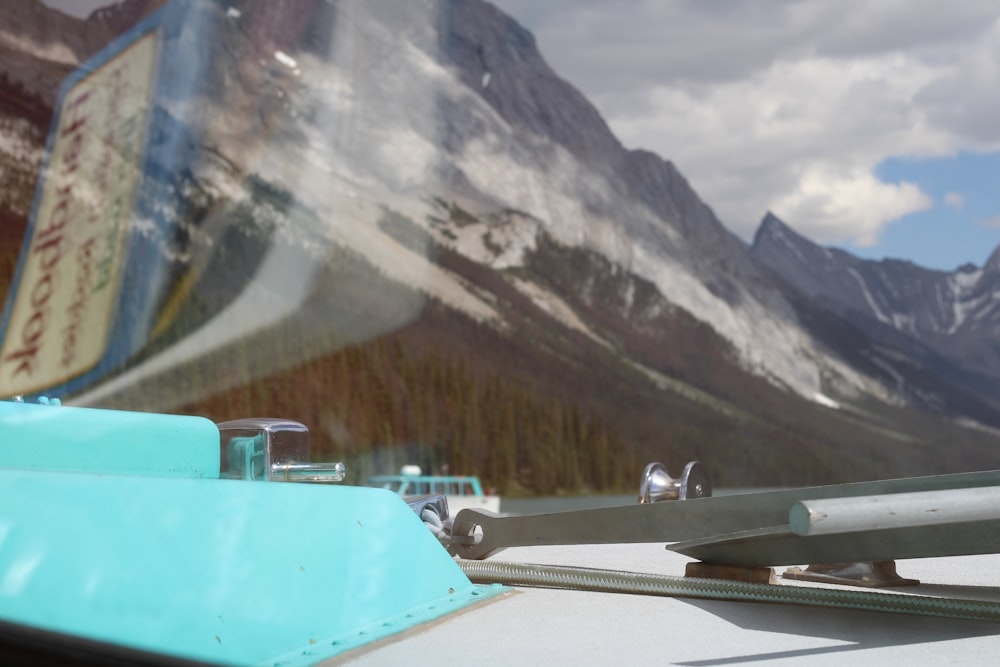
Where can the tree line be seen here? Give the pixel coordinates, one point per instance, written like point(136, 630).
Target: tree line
point(379, 406)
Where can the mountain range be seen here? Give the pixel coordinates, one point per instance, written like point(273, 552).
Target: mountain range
point(667, 235)
point(957, 313)
point(500, 208)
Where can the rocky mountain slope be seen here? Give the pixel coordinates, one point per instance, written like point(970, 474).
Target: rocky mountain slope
point(539, 135)
point(667, 235)
point(955, 314)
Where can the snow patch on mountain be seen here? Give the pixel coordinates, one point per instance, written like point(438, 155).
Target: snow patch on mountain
point(499, 240)
point(962, 285)
point(963, 281)
point(825, 400)
point(869, 299)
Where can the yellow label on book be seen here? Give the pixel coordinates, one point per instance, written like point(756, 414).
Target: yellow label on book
point(67, 290)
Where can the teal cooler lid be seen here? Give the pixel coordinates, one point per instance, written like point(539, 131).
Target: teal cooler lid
point(224, 571)
point(46, 437)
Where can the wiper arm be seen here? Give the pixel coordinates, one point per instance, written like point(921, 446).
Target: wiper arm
point(709, 524)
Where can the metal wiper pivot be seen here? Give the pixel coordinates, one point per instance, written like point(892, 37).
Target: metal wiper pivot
point(657, 485)
point(275, 450)
point(478, 533)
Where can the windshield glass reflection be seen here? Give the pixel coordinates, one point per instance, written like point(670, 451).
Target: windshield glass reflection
point(395, 224)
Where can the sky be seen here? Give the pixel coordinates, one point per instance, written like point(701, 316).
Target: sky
point(871, 126)
point(79, 8)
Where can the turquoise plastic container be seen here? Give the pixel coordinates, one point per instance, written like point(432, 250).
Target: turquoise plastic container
point(48, 437)
point(224, 571)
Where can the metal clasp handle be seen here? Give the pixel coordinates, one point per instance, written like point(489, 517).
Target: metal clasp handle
point(268, 449)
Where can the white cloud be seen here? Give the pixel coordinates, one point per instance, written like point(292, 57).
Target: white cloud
point(800, 138)
point(954, 200)
point(786, 106)
point(848, 207)
point(991, 223)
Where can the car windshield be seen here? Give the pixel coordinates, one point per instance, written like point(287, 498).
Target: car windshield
point(538, 244)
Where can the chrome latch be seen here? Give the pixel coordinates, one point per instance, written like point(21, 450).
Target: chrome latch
point(274, 450)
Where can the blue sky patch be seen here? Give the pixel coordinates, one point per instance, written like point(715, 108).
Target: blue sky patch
point(962, 226)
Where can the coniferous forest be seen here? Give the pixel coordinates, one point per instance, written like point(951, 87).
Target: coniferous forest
point(380, 406)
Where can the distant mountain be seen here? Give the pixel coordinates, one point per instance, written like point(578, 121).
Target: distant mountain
point(956, 314)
